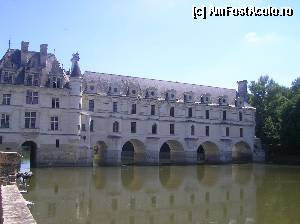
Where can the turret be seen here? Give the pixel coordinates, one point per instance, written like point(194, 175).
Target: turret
point(75, 77)
point(75, 94)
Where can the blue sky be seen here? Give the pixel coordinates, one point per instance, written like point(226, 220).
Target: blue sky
point(159, 38)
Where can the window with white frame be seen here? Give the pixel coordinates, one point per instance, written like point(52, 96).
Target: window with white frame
point(32, 97)
point(116, 126)
point(56, 82)
point(91, 105)
point(7, 78)
point(6, 99)
point(32, 80)
point(30, 119)
point(54, 123)
point(55, 102)
point(4, 121)
point(115, 107)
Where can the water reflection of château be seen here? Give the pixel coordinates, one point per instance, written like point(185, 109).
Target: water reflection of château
point(191, 194)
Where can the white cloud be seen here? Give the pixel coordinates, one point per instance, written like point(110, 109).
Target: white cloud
point(268, 38)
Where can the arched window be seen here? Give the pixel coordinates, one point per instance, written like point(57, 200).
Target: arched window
point(154, 129)
point(192, 130)
point(116, 126)
point(172, 112)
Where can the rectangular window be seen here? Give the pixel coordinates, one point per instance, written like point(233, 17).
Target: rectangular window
point(6, 99)
point(57, 143)
point(4, 121)
point(133, 108)
point(115, 107)
point(83, 127)
point(152, 109)
point(7, 78)
point(241, 132)
point(190, 112)
point(91, 105)
point(55, 102)
point(30, 119)
point(36, 80)
point(54, 123)
point(172, 129)
point(172, 112)
point(240, 116)
point(1, 139)
point(32, 97)
point(92, 126)
point(207, 114)
point(227, 131)
point(133, 127)
point(207, 130)
point(224, 115)
point(29, 80)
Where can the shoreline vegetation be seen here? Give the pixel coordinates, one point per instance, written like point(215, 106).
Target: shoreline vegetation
point(277, 119)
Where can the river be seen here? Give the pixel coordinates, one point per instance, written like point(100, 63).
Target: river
point(235, 194)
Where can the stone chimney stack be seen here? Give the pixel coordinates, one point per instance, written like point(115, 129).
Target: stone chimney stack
point(43, 54)
point(242, 90)
point(24, 51)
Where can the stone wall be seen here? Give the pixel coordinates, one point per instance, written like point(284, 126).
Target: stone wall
point(9, 163)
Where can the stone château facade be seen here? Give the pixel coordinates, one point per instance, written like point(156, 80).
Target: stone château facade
point(69, 118)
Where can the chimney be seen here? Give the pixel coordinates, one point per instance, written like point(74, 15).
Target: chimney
point(24, 51)
point(242, 90)
point(43, 54)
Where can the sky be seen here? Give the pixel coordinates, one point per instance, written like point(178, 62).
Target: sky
point(159, 39)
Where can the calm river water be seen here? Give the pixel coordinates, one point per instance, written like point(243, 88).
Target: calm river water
point(169, 194)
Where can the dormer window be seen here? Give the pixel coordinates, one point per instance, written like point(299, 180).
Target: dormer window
point(92, 88)
point(205, 98)
point(32, 80)
point(171, 95)
point(7, 78)
point(188, 97)
point(55, 82)
point(222, 100)
point(113, 90)
point(132, 91)
point(151, 93)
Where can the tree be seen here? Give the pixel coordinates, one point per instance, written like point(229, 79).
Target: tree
point(290, 131)
point(269, 99)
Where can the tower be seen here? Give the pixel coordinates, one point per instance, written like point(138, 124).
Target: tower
point(242, 90)
point(75, 95)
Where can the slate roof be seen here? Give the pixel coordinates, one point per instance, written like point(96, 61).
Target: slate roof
point(104, 80)
point(76, 70)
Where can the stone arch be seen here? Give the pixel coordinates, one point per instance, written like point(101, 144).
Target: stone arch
point(100, 150)
point(241, 152)
point(171, 151)
point(29, 149)
point(133, 152)
point(208, 152)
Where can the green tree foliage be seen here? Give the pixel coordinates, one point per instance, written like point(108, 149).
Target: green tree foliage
point(277, 113)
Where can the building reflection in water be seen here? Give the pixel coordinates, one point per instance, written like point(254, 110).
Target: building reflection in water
point(131, 195)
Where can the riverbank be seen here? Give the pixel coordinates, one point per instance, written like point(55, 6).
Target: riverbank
point(14, 206)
